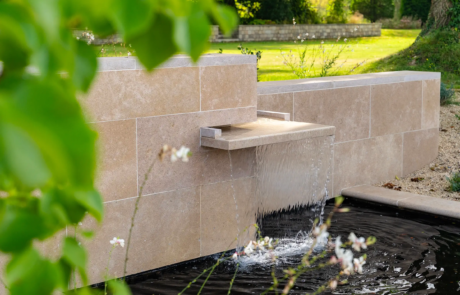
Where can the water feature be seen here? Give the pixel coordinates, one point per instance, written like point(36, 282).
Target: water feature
point(293, 173)
point(414, 254)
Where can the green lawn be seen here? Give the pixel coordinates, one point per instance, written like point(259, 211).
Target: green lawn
point(271, 66)
point(370, 49)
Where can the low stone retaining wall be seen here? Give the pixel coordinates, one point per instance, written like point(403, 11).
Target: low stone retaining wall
point(387, 123)
point(256, 33)
point(252, 33)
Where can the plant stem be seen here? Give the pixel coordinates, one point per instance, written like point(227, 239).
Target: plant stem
point(107, 270)
point(233, 279)
point(136, 208)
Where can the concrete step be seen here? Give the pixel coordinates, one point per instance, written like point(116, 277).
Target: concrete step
point(432, 205)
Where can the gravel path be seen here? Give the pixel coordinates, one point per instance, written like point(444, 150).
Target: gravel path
point(431, 180)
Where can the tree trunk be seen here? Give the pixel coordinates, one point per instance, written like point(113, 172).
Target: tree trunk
point(439, 13)
point(397, 13)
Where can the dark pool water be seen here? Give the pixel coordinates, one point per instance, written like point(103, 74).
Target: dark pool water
point(414, 254)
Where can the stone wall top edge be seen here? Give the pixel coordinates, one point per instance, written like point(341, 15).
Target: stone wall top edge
point(177, 61)
point(274, 87)
point(311, 25)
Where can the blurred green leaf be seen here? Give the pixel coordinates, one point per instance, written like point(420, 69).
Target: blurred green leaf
point(132, 17)
point(92, 201)
point(23, 156)
point(156, 45)
point(119, 288)
point(16, 220)
point(226, 17)
point(85, 66)
point(191, 32)
point(28, 273)
point(75, 255)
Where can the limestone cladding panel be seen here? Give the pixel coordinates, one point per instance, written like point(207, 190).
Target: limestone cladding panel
point(170, 221)
point(223, 226)
point(224, 87)
point(346, 108)
point(396, 108)
point(281, 102)
point(420, 149)
point(120, 95)
point(367, 161)
point(116, 176)
point(431, 104)
point(205, 166)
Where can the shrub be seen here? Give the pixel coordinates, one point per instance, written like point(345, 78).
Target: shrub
point(407, 22)
point(416, 8)
point(337, 12)
point(374, 9)
point(454, 181)
point(447, 95)
point(358, 18)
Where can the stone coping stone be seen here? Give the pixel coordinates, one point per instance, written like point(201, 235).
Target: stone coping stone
point(177, 61)
point(405, 200)
point(286, 86)
point(265, 131)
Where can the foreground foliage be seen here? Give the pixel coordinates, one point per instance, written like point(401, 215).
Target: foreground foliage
point(47, 151)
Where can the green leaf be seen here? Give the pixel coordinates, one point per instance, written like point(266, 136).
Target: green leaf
point(20, 219)
point(132, 17)
point(92, 201)
point(85, 66)
point(75, 255)
point(23, 156)
point(156, 45)
point(191, 32)
point(15, 55)
point(119, 288)
point(47, 14)
point(29, 273)
point(51, 115)
point(87, 234)
point(226, 18)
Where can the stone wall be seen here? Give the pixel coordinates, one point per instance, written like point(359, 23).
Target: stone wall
point(252, 33)
point(387, 123)
point(187, 209)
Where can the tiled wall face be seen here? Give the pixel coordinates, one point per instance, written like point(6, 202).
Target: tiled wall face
point(387, 124)
point(135, 114)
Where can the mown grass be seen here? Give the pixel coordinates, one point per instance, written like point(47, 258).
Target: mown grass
point(271, 67)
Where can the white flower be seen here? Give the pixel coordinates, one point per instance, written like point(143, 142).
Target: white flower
point(249, 249)
point(78, 38)
point(320, 233)
point(345, 39)
point(358, 243)
point(129, 53)
point(358, 264)
point(306, 34)
point(314, 37)
point(333, 284)
point(183, 153)
point(235, 256)
point(117, 241)
point(261, 245)
point(345, 256)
